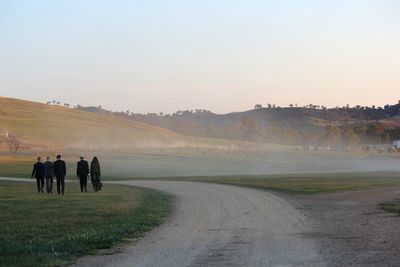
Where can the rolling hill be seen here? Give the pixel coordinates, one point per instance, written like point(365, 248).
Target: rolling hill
point(43, 126)
point(287, 125)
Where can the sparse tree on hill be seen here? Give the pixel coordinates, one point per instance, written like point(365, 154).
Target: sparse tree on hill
point(13, 142)
point(257, 106)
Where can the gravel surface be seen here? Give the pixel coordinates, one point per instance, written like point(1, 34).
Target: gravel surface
point(350, 229)
point(219, 225)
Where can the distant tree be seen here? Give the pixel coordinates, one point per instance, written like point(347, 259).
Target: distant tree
point(257, 106)
point(333, 135)
point(58, 102)
point(13, 142)
point(250, 126)
point(386, 138)
point(350, 137)
point(291, 105)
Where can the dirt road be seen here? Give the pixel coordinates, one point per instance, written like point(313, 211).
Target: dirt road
point(219, 225)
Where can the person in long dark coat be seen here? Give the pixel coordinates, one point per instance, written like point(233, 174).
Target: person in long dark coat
point(49, 174)
point(82, 172)
point(38, 172)
point(95, 174)
point(60, 171)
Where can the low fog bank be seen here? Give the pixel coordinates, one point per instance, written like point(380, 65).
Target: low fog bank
point(212, 157)
point(175, 164)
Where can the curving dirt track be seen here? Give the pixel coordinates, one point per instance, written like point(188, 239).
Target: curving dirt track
point(219, 225)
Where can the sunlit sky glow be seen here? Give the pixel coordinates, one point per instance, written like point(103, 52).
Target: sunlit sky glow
point(221, 55)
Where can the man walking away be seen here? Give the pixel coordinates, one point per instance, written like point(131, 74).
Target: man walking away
point(60, 171)
point(82, 171)
point(38, 172)
point(95, 173)
point(49, 174)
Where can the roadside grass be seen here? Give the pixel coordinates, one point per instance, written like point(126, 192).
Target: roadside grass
point(307, 183)
point(392, 207)
point(52, 230)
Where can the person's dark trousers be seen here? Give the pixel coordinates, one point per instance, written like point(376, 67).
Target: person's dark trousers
point(96, 182)
point(83, 183)
point(60, 184)
point(39, 183)
point(49, 184)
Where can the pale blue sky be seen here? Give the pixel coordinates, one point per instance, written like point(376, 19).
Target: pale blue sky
point(222, 55)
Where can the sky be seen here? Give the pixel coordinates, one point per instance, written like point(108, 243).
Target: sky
point(219, 55)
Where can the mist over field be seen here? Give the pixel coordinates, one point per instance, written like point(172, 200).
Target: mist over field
point(130, 148)
point(246, 163)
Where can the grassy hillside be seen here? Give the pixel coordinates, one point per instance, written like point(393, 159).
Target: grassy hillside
point(41, 125)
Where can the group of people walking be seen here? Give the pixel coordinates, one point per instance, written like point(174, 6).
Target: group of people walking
point(82, 172)
point(45, 172)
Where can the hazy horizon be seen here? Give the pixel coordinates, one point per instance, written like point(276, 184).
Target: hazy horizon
point(221, 56)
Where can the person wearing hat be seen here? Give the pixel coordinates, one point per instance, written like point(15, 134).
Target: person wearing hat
point(60, 171)
point(38, 172)
point(82, 171)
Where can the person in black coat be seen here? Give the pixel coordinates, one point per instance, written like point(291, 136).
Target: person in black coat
point(60, 171)
point(82, 171)
point(49, 174)
point(38, 172)
point(95, 173)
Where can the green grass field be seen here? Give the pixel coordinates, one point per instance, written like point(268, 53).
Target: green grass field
point(52, 230)
point(307, 183)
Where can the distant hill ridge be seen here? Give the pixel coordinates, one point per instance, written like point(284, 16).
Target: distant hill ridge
point(57, 126)
point(293, 125)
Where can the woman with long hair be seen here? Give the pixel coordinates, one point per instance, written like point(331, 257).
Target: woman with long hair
point(95, 174)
